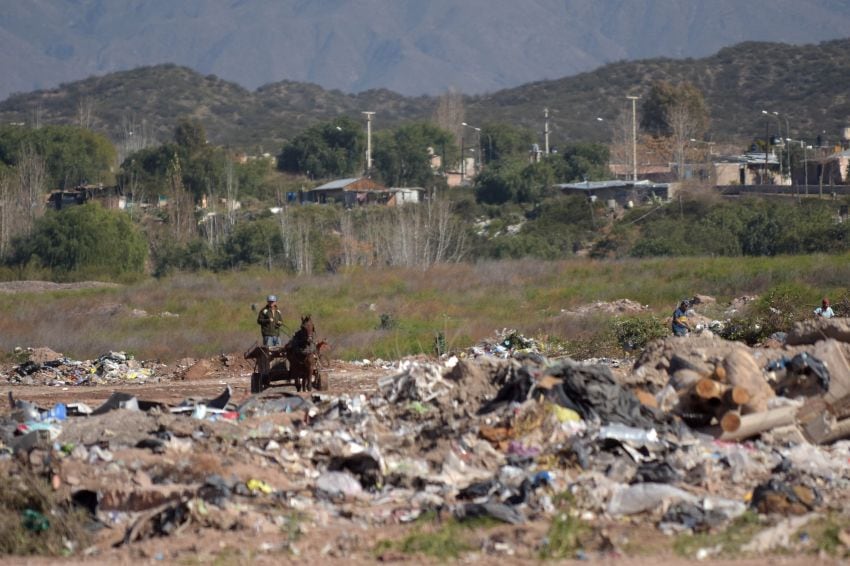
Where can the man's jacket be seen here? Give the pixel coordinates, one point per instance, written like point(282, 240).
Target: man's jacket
point(270, 321)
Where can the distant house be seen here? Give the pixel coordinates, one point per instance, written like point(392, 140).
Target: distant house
point(754, 168)
point(622, 193)
point(655, 172)
point(352, 191)
point(362, 190)
point(404, 195)
point(830, 170)
point(108, 197)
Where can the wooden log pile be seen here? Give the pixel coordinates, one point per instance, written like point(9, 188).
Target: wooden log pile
point(735, 388)
point(732, 400)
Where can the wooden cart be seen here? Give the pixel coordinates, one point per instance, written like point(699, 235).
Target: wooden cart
point(271, 365)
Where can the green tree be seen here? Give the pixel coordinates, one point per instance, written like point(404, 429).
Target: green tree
point(144, 172)
point(500, 141)
point(84, 240)
point(583, 162)
point(499, 183)
point(402, 157)
point(331, 149)
point(259, 241)
point(73, 155)
point(190, 135)
point(514, 181)
point(202, 166)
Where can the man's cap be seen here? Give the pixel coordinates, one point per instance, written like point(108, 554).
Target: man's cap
point(272, 298)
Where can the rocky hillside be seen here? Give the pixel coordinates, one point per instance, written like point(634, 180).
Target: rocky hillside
point(805, 84)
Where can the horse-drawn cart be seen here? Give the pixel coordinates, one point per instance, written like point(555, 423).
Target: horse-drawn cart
point(273, 364)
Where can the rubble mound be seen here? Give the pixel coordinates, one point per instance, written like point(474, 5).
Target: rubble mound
point(815, 329)
point(739, 304)
point(43, 355)
point(618, 307)
point(662, 358)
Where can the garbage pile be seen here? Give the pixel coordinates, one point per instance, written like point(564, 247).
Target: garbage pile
point(720, 431)
point(508, 343)
point(45, 367)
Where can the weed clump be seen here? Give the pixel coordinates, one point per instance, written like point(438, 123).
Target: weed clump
point(635, 332)
point(729, 541)
point(34, 520)
point(563, 539)
point(776, 311)
point(447, 541)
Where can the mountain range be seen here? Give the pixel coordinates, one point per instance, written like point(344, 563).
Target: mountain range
point(411, 47)
point(806, 86)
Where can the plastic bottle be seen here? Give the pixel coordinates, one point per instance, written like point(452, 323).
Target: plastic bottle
point(645, 496)
point(59, 412)
point(623, 433)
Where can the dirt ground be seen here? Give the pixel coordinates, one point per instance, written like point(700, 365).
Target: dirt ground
point(345, 378)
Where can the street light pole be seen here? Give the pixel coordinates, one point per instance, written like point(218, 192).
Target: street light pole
point(634, 136)
point(779, 128)
point(478, 139)
point(788, 135)
point(368, 141)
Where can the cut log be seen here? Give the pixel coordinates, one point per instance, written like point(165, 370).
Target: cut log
point(731, 421)
point(739, 396)
point(720, 373)
point(743, 371)
point(709, 389)
point(756, 423)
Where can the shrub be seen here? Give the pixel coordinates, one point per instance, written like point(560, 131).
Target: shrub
point(84, 240)
point(776, 311)
point(34, 520)
point(634, 333)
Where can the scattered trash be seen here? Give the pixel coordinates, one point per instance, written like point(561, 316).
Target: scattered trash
point(259, 486)
point(34, 521)
point(698, 432)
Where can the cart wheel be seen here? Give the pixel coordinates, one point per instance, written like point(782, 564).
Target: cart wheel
point(322, 381)
point(256, 383)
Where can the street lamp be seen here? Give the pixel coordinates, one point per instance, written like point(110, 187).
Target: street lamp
point(805, 147)
point(368, 141)
point(779, 137)
point(478, 139)
point(634, 100)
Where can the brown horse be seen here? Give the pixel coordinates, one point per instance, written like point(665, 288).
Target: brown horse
point(302, 352)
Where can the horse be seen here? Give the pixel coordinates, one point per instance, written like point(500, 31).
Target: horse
point(302, 353)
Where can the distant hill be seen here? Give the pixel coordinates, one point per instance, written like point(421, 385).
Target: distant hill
point(806, 84)
point(409, 46)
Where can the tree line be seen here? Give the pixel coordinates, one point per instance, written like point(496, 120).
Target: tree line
point(510, 210)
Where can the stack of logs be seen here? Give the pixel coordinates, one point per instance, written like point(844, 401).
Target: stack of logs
point(734, 389)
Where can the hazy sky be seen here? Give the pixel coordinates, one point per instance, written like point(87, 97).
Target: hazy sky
point(410, 46)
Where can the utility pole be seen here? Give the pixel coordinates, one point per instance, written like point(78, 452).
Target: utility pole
point(766, 145)
point(546, 131)
point(368, 141)
point(462, 161)
point(634, 136)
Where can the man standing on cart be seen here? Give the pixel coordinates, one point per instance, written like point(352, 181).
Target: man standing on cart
point(270, 320)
